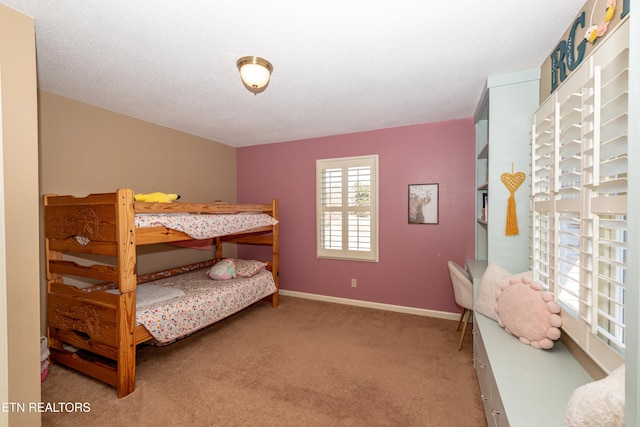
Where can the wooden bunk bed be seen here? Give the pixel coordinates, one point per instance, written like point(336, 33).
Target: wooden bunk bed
point(94, 331)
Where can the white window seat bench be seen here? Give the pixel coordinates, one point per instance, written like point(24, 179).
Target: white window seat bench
point(520, 385)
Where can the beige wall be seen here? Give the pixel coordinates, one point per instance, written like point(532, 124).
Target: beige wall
point(85, 149)
point(21, 202)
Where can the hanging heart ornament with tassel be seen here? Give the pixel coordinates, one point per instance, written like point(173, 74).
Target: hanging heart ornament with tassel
point(512, 181)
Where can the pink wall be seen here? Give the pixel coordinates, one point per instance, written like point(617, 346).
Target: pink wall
point(412, 270)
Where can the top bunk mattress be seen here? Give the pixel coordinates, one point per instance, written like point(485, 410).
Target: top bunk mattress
point(205, 226)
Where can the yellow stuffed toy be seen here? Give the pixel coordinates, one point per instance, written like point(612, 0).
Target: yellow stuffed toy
point(156, 197)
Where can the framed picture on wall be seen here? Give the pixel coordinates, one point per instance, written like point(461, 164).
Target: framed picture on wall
point(423, 203)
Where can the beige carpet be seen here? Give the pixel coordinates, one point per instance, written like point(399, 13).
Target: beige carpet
point(306, 363)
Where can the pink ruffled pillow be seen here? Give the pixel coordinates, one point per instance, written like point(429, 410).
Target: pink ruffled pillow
point(249, 267)
point(492, 281)
point(528, 312)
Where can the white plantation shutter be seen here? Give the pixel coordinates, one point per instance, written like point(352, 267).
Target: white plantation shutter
point(568, 266)
point(608, 197)
point(579, 200)
point(347, 192)
point(331, 200)
point(543, 238)
point(611, 275)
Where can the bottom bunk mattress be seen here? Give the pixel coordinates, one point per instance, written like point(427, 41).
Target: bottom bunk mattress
point(203, 301)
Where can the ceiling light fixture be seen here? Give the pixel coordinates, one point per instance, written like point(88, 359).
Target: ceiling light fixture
point(255, 73)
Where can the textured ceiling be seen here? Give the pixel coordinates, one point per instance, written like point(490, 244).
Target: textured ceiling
point(339, 66)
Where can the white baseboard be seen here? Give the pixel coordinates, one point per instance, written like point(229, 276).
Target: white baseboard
point(375, 305)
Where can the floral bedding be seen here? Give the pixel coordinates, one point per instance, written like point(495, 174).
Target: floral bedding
point(205, 302)
point(205, 226)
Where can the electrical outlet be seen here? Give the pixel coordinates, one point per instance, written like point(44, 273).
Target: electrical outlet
point(354, 283)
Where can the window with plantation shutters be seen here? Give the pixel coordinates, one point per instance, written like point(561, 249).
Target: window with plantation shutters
point(346, 208)
point(579, 200)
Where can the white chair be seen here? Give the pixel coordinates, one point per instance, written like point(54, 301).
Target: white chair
point(463, 293)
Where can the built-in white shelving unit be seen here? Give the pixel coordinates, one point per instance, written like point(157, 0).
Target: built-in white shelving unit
point(503, 136)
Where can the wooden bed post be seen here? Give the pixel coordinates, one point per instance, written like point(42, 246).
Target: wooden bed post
point(126, 319)
point(50, 276)
point(275, 249)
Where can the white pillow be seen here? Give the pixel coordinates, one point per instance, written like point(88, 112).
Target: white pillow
point(489, 285)
point(147, 294)
point(598, 403)
point(493, 279)
point(223, 270)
